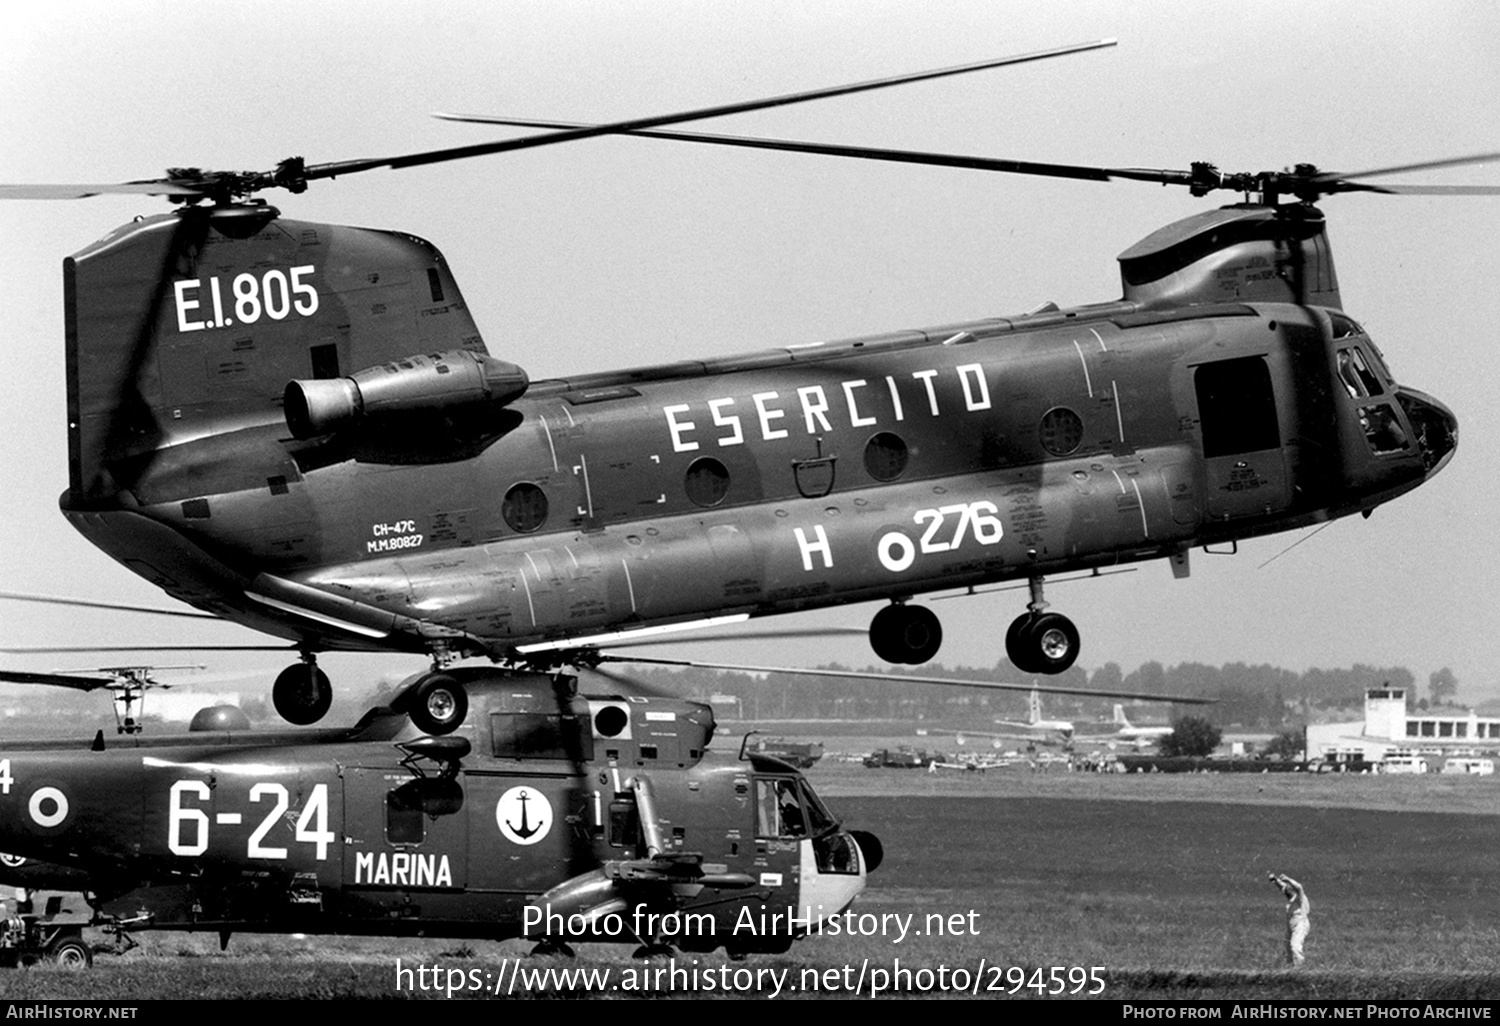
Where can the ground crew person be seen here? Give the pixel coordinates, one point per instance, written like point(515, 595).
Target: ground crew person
point(1297, 909)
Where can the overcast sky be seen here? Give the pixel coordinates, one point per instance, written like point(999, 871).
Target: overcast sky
point(615, 252)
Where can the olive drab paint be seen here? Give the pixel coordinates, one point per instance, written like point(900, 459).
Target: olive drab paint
point(296, 426)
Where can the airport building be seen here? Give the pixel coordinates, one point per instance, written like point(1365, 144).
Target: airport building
point(1389, 728)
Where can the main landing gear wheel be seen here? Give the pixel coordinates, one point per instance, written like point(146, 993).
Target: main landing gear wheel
point(1042, 643)
point(302, 694)
point(906, 634)
point(439, 705)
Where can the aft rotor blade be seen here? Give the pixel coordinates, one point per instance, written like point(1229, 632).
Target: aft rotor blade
point(701, 113)
point(61, 680)
point(56, 192)
point(294, 173)
point(15, 596)
point(976, 163)
point(907, 679)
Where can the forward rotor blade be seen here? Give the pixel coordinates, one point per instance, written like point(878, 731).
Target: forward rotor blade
point(1019, 167)
point(656, 121)
point(1426, 165)
point(906, 679)
point(15, 596)
point(1328, 182)
point(1427, 190)
point(77, 682)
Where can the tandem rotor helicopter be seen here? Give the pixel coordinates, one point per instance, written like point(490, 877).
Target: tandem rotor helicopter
point(297, 427)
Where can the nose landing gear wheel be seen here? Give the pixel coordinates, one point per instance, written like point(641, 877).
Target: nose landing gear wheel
point(906, 634)
point(302, 694)
point(439, 705)
point(1042, 643)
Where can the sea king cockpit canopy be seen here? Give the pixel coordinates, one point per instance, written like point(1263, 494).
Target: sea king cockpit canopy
point(788, 810)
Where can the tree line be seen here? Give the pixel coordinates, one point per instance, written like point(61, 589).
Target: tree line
point(1261, 697)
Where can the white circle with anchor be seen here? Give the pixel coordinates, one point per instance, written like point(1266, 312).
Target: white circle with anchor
point(523, 815)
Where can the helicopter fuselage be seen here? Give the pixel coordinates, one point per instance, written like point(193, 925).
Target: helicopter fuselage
point(230, 461)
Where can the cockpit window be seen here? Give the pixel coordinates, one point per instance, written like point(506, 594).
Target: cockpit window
point(836, 853)
point(1360, 381)
point(1382, 429)
point(818, 819)
point(1344, 326)
point(778, 808)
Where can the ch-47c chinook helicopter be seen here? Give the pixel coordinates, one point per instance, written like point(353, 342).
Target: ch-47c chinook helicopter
point(297, 427)
point(551, 815)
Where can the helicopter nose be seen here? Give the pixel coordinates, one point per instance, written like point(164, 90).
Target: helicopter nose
point(1435, 425)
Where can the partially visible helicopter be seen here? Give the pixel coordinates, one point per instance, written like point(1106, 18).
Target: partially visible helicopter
point(297, 427)
point(551, 815)
point(127, 686)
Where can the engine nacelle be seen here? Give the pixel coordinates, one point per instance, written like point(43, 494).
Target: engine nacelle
point(457, 380)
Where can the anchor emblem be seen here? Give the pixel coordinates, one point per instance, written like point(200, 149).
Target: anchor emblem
point(523, 831)
point(523, 815)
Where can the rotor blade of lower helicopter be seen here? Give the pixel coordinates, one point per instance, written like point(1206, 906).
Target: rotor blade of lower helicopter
point(722, 636)
point(629, 683)
point(64, 649)
point(895, 678)
point(16, 596)
point(60, 680)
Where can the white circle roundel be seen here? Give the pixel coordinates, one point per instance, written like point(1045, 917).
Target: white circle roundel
point(896, 551)
point(523, 815)
point(48, 806)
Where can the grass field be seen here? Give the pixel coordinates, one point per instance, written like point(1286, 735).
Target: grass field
point(1158, 879)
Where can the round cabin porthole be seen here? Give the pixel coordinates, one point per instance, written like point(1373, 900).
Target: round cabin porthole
point(1061, 431)
point(706, 481)
point(611, 721)
point(524, 508)
point(885, 456)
